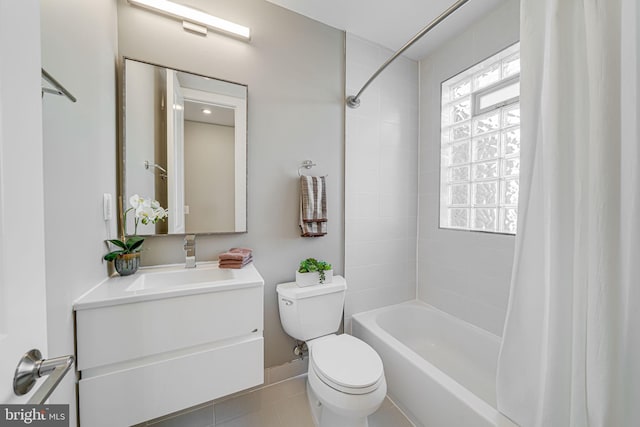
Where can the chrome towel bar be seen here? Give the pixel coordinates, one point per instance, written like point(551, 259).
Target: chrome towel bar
point(58, 89)
point(150, 165)
point(32, 367)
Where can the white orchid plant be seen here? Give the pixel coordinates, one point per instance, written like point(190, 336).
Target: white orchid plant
point(147, 211)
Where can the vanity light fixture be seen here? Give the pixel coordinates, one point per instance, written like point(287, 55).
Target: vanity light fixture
point(206, 111)
point(195, 20)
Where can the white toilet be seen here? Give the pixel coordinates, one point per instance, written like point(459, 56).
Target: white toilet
point(345, 379)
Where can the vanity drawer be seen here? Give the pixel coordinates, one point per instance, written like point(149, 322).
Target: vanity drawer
point(113, 334)
point(139, 393)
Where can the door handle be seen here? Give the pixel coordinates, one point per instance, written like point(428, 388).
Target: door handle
point(31, 367)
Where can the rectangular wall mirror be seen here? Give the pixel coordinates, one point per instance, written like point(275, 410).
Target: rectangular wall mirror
point(185, 145)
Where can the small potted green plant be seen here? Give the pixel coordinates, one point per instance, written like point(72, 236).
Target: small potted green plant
point(126, 259)
point(313, 272)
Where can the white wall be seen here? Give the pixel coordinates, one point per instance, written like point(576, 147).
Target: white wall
point(141, 102)
point(79, 47)
point(464, 273)
point(294, 69)
point(22, 270)
point(381, 180)
point(209, 152)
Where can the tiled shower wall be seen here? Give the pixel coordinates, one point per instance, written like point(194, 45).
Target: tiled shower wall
point(464, 273)
point(381, 180)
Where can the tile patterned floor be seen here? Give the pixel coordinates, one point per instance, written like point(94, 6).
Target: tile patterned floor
point(285, 405)
point(279, 405)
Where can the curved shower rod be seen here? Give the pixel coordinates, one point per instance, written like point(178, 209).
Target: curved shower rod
point(354, 101)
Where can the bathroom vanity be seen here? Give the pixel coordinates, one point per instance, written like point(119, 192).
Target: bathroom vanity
point(165, 339)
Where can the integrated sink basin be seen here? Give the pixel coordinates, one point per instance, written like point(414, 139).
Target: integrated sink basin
point(168, 281)
point(181, 278)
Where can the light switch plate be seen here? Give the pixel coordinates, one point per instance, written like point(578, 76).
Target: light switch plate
point(107, 206)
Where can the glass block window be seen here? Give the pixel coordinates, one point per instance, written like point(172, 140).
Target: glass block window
point(480, 146)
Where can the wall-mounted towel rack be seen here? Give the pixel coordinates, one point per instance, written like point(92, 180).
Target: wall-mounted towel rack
point(31, 367)
point(57, 89)
point(153, 166)
point(307, 164)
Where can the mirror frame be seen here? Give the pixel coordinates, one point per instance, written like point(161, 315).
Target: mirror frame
point(122, 146)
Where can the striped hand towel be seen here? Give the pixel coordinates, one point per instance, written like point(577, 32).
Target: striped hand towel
point(313, 206)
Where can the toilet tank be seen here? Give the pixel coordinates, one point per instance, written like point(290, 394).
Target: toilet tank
point(312, 311)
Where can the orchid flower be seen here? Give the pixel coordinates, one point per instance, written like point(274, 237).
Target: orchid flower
point(147, 211)
point(135, 201)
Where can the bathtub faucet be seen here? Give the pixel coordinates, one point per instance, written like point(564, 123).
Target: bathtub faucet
point(190, 251)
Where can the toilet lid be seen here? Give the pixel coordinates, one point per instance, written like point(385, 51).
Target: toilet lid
point(345, 362)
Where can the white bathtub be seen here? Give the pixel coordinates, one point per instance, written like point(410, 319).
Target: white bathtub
point(440, 370)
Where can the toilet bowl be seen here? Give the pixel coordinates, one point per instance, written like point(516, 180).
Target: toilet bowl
point(345, 379)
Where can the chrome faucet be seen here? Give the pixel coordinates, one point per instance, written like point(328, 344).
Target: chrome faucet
point(190, 251)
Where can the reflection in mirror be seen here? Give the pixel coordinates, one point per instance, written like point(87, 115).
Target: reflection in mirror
point(185, 146)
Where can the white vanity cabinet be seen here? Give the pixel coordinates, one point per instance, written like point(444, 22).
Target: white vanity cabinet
point(144, 353)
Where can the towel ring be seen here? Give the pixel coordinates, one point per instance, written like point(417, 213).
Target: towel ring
point(307, 164)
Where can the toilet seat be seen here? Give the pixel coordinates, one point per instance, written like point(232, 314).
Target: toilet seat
point(346, 364)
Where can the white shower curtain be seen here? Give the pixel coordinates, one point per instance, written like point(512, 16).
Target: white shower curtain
point(571, 344)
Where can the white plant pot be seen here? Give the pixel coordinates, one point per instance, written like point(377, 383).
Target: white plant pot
point(310, 279)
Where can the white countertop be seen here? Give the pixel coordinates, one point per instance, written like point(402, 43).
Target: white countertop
point(124, 290)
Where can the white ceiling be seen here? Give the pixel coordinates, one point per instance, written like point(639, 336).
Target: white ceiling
point(218, 116)
point(391, 23)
